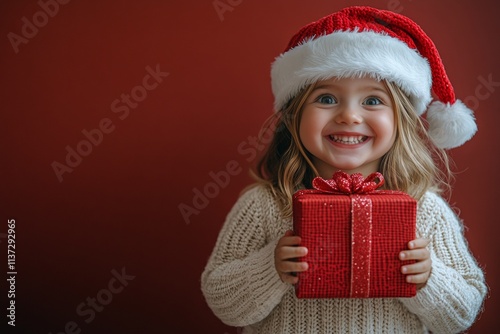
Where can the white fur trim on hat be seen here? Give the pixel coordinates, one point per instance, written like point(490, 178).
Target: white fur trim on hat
point(450, 125)
point(352, 54)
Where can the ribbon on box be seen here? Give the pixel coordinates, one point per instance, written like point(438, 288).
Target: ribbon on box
point(355, 186)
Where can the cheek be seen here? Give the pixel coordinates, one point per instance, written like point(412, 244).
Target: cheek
point(386, 128)
point(309, 128)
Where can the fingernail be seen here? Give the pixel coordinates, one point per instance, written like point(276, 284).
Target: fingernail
point(402, 255)
point(411, 245)
point(404, 270)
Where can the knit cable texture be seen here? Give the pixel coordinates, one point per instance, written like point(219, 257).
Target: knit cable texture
point(242, 287)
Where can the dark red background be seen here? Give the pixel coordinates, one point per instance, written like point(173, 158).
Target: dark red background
point(119, 207)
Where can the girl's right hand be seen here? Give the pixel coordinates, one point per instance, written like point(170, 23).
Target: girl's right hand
point(285, 255)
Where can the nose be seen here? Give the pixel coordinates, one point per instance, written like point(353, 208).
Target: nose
point(348, 114)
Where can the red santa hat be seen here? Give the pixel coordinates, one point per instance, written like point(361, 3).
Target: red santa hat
point(364, 41)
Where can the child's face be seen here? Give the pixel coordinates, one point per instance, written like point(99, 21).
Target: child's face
point(348, 124)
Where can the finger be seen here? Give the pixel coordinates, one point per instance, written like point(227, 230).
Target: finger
point(290, 252)
point(287, 278)
point(418, 278)
point(415, 254)
point(288, 267)
point(418, 243)
point(417, 268)
point(289, 233)
point(289, 241)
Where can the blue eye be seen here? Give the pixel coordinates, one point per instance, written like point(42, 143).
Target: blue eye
point(372, 101)
point(326, 99)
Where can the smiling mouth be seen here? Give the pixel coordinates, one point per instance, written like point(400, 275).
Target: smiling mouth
point(348, 140)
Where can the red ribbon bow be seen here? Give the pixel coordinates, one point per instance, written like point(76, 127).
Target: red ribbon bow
point(342, 182)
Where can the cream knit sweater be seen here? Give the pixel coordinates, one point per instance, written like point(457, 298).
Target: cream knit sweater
point(242, 287)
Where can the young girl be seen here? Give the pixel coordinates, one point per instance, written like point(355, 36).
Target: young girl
point(349, 92)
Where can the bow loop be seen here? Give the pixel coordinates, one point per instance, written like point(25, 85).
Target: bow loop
point(342, 182)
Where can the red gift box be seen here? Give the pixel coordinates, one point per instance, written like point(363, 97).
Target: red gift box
point(354, 234)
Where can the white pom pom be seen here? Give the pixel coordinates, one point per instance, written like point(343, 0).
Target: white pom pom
point(450, 125)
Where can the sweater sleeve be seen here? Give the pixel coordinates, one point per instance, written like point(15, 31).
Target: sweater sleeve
point(453, 296)
point(240, 282)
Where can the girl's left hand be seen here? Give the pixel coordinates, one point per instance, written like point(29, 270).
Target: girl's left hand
point(418, 272)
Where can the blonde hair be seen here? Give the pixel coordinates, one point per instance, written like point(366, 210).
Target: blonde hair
point(413, 164)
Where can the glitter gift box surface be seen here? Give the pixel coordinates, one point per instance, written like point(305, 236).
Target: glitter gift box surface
point(354, 235)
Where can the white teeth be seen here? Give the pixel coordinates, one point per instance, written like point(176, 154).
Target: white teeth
point(348, 139)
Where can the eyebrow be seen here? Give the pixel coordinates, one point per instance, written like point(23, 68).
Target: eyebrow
point(370, 87)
